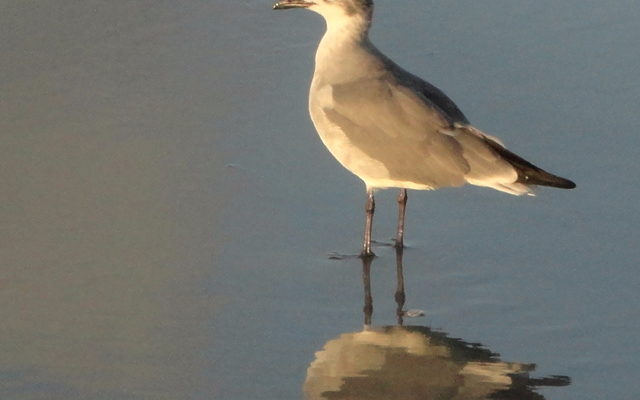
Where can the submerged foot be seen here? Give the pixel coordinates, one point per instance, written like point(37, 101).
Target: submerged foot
point(338, 256)
point(366, 255)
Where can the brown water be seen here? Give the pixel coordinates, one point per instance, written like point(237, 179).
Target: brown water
point(168, 209)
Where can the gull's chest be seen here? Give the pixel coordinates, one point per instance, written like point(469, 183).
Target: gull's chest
point(334, 135)
point(347, 140)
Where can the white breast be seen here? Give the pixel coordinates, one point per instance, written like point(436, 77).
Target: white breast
point(336, 139)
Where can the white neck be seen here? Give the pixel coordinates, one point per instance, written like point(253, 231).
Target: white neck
point(348, 26)
point(345, 41)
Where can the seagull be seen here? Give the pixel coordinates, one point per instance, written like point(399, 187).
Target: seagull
point(394, 130)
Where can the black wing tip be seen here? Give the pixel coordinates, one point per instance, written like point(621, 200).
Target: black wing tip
point(562, 184)
point(569, 184)
point(543, 178)
point(528, 173)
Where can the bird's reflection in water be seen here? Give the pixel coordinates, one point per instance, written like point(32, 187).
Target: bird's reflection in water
point(414, 362)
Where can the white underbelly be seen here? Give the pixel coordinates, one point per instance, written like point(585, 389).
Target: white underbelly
point(372, 171)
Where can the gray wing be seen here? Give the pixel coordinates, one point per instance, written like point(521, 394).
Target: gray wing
point(397, 126)
point(433, 96)
point(430, 94)
point(392, 121)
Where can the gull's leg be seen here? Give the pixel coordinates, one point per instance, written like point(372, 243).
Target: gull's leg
point(400, 294)
point(368, 298)
point(369, 209)
point(402, 205)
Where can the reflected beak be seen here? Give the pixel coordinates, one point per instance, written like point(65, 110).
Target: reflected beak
point(286, 4)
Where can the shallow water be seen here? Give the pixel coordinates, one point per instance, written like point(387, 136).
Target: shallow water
point(169, 210)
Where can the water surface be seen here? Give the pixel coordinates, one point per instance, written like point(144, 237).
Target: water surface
point(168, 209)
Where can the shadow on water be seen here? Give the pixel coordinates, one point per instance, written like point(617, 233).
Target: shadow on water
point(411, 362)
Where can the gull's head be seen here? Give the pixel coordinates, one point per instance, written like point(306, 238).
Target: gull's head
point(331, 10)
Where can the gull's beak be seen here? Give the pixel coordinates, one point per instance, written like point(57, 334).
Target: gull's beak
point(285, 4)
